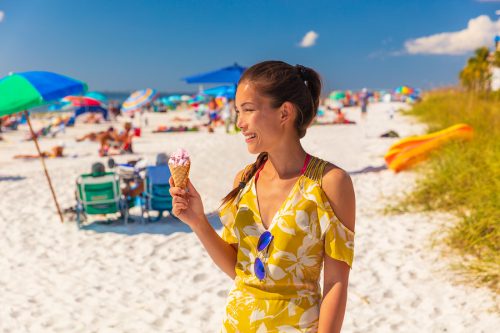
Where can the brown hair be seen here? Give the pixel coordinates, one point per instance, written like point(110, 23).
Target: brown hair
point(282, 83)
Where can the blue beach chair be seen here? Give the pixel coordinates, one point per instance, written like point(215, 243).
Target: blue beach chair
point(156, 195)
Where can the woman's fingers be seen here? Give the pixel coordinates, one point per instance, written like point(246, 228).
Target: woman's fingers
point(180, 200)
point(177, 191)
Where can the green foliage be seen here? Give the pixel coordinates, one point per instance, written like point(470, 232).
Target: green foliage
point(464, 178)
point(496, 59)
point(476, 74)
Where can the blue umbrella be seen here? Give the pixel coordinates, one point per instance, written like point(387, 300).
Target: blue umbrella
point(226, 91)
point(91, 109)
point(229, 74)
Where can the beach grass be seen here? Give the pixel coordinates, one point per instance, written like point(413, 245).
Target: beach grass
point(464, 178)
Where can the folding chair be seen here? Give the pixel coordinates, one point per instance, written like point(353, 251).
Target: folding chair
point(156, 195)
point(99, 195)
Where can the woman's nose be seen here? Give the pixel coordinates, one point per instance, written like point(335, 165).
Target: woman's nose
point(239, 122)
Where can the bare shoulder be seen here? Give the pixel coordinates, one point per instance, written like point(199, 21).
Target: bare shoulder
point(338, 187)
point(335, 177)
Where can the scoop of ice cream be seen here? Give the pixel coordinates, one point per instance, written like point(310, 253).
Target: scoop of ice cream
point(180, 157)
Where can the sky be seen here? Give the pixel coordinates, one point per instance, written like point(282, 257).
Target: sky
point(124, 45)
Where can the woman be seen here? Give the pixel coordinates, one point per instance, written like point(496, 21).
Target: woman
point(288, 213)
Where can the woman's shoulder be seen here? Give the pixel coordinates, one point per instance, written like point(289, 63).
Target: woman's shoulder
point(339, 190)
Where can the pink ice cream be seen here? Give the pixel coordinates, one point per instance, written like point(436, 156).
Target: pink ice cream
point(180, 157)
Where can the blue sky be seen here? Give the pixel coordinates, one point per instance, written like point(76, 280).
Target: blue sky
point(126, 45)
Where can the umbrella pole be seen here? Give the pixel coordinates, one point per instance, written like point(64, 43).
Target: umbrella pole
point(43, 164)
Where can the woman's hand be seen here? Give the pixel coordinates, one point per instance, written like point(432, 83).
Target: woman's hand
point(187, 205)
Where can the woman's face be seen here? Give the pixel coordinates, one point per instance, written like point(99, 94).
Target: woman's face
point(258, 120)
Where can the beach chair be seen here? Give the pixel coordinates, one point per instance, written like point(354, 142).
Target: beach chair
point(99, 195)
point(156, 195)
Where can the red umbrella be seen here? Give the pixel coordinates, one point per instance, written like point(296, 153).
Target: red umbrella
point(82, 101)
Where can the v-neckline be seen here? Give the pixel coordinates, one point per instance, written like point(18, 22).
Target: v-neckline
point(261, 222)
point(292, 191)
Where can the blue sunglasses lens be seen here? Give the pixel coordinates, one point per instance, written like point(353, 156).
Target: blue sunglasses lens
point(264, 240)
point(259, 269)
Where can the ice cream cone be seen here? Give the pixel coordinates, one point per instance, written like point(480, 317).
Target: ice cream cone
point(180, 174)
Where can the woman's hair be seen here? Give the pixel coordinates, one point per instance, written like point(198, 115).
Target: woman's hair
point(282, 83)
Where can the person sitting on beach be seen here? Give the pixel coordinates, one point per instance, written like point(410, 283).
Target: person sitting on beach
point(56, 151)
point(287, 214)
point(93, 118)
point(341, 119)
point(95, 136)
point(135, 188)
point(117, 143)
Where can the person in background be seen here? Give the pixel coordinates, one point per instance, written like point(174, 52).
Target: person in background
point(227, 114)
point(56, 151)
point(363, 101)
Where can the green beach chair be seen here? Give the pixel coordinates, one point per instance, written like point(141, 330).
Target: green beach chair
point(99, 195)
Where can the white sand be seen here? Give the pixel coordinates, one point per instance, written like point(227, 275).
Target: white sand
point(157, 277)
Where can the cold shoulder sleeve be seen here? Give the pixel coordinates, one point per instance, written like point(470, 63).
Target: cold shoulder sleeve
point(227, 216)
point(338, 239)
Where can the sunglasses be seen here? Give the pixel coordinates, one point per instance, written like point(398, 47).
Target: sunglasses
point(264, 240)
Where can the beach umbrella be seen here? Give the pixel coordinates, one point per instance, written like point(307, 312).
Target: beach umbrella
point(175, 98)
point(337, 95)
point(97, 96)
point(224, 91)
point(229, 74)
point(92, 109)
point(138, 99)
point(21, 91)
point(404, 90)
point(82, 101)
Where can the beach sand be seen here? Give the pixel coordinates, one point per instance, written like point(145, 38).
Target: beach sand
point(158, 278)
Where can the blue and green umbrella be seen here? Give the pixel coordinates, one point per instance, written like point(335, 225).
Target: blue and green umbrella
point(22, 91)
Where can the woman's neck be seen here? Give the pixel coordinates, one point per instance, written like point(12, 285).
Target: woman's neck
point(284, 164)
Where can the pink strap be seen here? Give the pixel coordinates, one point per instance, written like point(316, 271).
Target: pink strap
point(306, 162)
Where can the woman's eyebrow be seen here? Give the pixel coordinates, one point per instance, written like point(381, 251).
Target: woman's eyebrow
point(246, 104)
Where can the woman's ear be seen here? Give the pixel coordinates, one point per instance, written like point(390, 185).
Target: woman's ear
point(286, 112)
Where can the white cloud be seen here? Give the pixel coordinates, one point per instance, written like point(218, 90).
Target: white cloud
point(2, 14)
point(480, 31)
point(309, 39)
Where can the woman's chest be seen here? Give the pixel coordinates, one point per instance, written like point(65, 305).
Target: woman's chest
point(271, 197)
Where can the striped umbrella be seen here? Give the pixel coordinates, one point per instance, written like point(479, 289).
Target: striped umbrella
point(21, 91)
point(138, 99)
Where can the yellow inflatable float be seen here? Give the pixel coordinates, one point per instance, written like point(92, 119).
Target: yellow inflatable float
point(409, 151)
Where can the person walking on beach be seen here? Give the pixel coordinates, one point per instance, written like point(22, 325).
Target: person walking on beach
point(363, 101)
point(288, 213)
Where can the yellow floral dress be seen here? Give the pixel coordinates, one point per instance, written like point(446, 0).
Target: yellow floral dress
point(304, 229)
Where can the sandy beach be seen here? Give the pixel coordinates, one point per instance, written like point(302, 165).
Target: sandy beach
point(157, 277)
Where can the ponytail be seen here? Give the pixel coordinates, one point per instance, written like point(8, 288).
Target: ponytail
point(246, 175)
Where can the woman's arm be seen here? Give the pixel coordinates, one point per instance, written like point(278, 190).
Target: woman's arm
point(185, 207)
point(338, 187)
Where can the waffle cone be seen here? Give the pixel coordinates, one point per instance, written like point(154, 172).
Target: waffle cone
point(180, 174)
